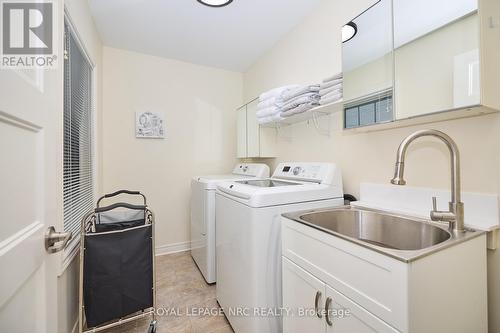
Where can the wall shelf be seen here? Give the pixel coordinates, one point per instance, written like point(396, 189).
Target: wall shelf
point(319, 111)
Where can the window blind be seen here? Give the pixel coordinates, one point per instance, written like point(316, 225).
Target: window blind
point(78, 189)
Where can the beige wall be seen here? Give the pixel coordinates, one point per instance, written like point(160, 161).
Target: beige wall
point(312, 51)
point(198, 103)
point(308, 54)
point(80, 16)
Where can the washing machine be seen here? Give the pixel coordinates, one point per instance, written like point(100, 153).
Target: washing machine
point(203, 213)
point(248, 238)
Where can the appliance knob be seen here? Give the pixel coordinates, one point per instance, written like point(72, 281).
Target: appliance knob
point(296, 170)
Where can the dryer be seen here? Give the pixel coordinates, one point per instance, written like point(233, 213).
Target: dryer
point(248, 238)
point(203, 213)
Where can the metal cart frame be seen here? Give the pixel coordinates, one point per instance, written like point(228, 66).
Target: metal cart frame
point(88, 226)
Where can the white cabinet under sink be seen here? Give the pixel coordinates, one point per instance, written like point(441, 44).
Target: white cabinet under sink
point(307, 296)
point(359, 320)
point(367, 291)
point(302, 292)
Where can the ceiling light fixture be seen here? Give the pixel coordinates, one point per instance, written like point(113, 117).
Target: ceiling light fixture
point(215, 3)
point(349, 31)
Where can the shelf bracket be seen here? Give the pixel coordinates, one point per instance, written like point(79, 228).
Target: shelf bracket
point(279, 133)
point(316, 123)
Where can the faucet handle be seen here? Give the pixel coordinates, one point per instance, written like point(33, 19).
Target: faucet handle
point(434, 204)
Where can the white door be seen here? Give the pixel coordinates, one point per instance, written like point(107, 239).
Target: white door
point(304, 296)
point(344, 316)
point(31, 150)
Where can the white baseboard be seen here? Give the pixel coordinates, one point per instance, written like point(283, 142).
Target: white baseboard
point(173, 248)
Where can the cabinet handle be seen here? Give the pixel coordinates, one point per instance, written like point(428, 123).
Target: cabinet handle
point(316, 301)
point(327, 309)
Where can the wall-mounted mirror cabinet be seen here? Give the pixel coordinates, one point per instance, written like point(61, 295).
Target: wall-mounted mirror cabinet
point(368, 66)
point(411, 59)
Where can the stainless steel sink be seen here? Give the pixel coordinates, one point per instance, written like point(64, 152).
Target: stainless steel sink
point(378, 229)
point(398, 236)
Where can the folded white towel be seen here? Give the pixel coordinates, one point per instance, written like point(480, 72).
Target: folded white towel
point(331, 98)
point(299, 100)
point(264, 120)
point(299, 109)
point(276, 92)
point(330, 84)
point(288, 95)
point(333, 77)
point(273, 101)
point(268, 111)
point(332, 94)
point(330, 90)
point(277, 117)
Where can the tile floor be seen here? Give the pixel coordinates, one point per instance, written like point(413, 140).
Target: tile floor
point(185, 302)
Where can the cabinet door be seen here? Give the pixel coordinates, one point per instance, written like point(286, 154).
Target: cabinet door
point(302, 292)
point(253, 138)
point(267, 137)
point(241, 128)
point(344, 316)
point(437, 58)
point(367, 58)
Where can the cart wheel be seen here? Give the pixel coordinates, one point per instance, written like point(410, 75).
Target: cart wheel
point(152, 327)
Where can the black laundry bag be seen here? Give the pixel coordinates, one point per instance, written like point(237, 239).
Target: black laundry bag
point(118, 273)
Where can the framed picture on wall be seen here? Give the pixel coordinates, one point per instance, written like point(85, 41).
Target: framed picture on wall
point(149, 125)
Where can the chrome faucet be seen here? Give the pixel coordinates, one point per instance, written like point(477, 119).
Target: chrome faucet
point(455, 216)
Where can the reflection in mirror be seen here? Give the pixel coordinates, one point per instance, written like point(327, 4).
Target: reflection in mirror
point(367, 63)
point(436, 56)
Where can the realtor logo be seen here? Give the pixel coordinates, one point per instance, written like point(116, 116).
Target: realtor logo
point(27, 34)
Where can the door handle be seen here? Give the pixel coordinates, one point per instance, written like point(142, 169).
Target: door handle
point(56, 241)
point(327, 310)
point(316, 301)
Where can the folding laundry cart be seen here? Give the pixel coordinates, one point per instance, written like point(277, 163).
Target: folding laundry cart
point(117, 266)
